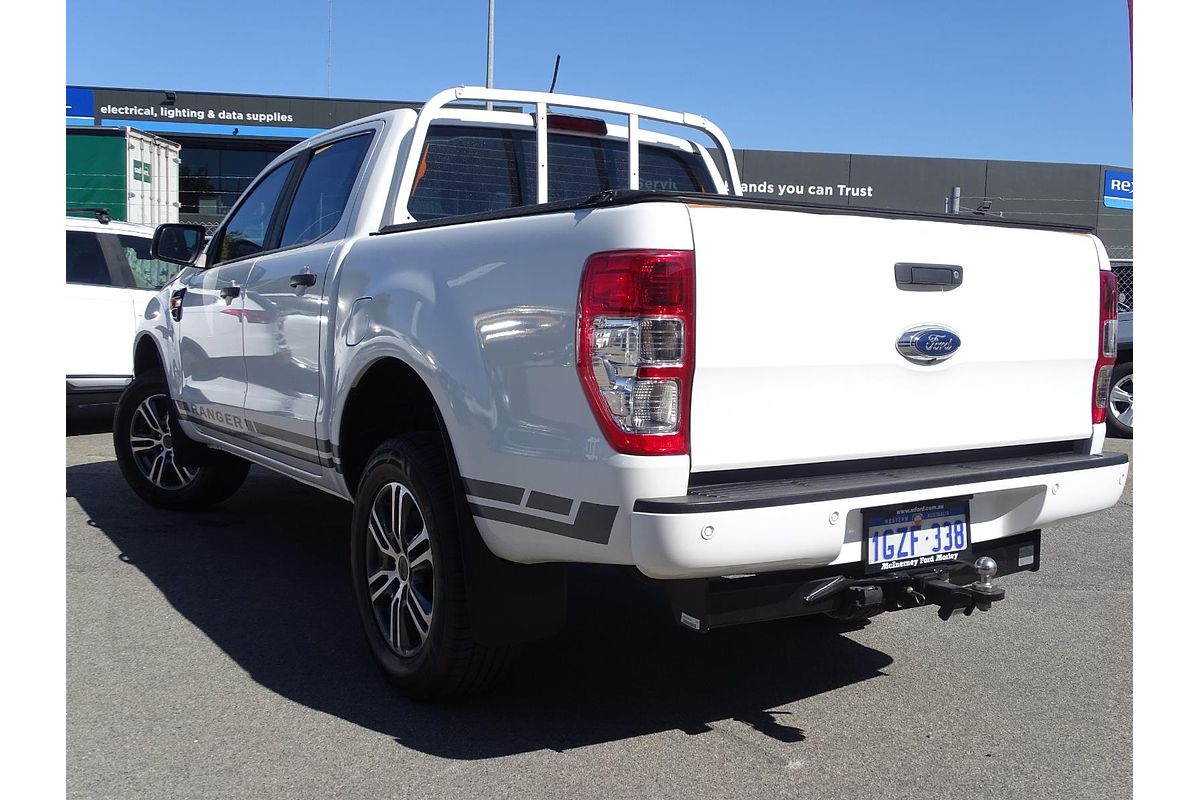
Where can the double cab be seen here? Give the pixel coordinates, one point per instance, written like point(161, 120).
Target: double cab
point(519, 330)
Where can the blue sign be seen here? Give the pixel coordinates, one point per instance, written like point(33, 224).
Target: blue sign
point(81, 103)
point(1118, 189)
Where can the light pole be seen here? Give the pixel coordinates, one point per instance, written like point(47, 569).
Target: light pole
point(490, 44)
point(329, 54)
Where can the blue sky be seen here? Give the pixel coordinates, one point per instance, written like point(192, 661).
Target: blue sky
point(1024, 80)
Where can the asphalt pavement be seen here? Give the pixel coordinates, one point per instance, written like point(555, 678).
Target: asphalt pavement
point(217, 654)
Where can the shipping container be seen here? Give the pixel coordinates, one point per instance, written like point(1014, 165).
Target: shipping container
point(132, 174)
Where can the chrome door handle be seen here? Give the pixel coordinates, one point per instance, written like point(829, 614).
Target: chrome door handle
point(303, 279)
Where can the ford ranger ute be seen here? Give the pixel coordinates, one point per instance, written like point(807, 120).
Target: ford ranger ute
point(546, 330)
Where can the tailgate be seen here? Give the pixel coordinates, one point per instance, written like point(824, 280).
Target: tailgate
point(797, 321)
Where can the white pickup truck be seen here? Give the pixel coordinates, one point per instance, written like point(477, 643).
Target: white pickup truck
point(516, 338)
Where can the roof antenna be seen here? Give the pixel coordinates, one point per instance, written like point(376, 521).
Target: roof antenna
point(554, 80)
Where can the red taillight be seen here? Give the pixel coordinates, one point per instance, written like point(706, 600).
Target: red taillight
point(1106, 354)
point(636, 352)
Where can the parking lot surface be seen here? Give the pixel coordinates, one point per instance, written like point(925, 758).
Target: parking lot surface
point(218, 654)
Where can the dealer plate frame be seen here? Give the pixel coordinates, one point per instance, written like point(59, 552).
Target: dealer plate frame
point(881, 511)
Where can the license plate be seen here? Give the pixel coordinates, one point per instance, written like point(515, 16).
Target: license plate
point(915, 535)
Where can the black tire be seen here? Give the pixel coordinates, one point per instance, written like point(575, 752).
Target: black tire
point(140, 415)
point(1120, 401)
point(439, 660)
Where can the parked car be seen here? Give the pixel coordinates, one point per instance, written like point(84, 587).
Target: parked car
point(1120, 393)
point(111, 276)
point(513, 340)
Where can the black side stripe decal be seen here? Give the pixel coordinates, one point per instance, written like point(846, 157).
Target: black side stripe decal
point(494, 491)
point(322, 445)
point(549, 502)
point(320, 460)
point(593, 523)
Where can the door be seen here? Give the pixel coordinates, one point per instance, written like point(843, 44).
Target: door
point(110, 279)
point(102, 359)
point(213, 319)
point(285, 290)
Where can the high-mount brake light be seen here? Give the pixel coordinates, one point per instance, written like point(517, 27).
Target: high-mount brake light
point(636, 349)
point(1106, 355)
point(567, 122)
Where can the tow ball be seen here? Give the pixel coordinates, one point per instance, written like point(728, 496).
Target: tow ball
point(951, 598)
point(866, 597)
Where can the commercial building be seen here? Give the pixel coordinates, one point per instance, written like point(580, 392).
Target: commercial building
point(228, 138)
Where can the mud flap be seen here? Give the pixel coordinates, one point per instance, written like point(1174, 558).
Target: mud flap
point(507, 602)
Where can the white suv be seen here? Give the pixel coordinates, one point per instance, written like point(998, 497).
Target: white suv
point(110, 278)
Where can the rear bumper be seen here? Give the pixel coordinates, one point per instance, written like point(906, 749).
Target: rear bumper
point(766, 526)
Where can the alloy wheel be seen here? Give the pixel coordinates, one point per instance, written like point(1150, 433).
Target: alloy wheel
point(1120, 401)
point(400, 569)
point(153, 447)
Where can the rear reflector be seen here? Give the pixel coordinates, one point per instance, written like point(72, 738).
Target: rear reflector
point(636, 347)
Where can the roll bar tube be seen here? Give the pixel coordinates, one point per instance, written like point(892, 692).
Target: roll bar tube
point(542, 101)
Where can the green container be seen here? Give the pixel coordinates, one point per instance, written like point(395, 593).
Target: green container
point(132, 174)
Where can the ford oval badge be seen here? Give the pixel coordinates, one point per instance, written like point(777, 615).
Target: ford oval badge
point(928, 344)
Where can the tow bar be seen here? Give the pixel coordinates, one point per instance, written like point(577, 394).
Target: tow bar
point(892, 592)
point(954, 587)
point(951, 598)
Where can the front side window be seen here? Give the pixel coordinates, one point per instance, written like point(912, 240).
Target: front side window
point(139, 269)
point(85, 260)
point(246, 232)
point(324, 190)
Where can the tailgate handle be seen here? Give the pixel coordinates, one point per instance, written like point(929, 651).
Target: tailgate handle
point(928, 277)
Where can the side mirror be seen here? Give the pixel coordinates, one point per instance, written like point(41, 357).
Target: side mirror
point(178, 243)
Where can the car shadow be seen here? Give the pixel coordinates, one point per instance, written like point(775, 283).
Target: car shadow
point(264, 575)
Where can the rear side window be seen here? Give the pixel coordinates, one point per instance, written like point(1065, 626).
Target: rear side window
point(136, 266)
point(467, 170)
point(246, 233)
point(85, 260)
point(324, 190)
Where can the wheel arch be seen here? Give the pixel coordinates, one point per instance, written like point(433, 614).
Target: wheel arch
point(147, 356)
point(508, 602)
point(388, 397)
